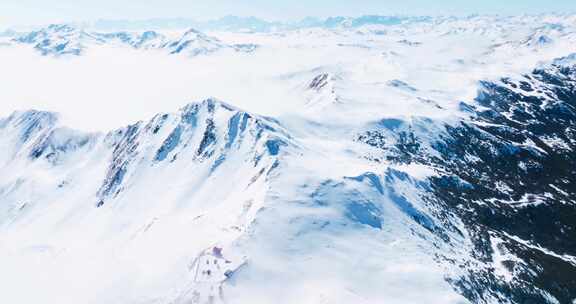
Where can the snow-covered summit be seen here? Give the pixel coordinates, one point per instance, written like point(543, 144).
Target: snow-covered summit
point(60, 39)
point(144, 40)
point(194, 43)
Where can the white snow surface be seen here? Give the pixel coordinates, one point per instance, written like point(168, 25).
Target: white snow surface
point(284, 210)
point(400, 70)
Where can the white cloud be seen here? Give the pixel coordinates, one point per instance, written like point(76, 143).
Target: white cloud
point(110, 87)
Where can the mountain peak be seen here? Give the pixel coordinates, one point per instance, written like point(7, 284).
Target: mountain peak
point(30, 122)
point(64, 27)
point(33, 114)
point(194, 32)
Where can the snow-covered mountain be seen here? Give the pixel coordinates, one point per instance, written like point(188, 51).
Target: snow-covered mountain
point(254, 24)
point(220, 161)
point(145, 40)
point(195, 43)
point(60, 40)
point(506, 33)
point(401, 160)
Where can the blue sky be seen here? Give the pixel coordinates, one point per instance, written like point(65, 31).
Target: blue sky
point(25, 12)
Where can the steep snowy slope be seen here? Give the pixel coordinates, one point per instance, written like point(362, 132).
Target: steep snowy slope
point(517, 154)
point(187, 182)
point(208, 205)
point(507, 172)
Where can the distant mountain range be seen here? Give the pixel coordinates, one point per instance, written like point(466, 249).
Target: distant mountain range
point(249, 24)
point(74, 39)
point(62, 39)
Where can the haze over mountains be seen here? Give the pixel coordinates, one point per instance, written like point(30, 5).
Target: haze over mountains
point(235, 23)
point(239, 23)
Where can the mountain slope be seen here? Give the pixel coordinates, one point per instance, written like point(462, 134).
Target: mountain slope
point(507, 172)
point(216, 205)
point(212, 201)
point(522, 141)
point(203, 169)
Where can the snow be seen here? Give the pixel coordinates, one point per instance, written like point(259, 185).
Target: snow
point(567, 258)
point(276, 234)
point(218, 203)
point(500, 255)
point(267, 81)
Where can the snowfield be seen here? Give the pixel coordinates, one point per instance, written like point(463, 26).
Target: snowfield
point(367, 161)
